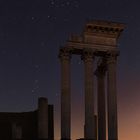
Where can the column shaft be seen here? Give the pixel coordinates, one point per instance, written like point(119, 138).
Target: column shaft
point(101, 103)
point(112, 99)
point(89, 97)
point(65, 97)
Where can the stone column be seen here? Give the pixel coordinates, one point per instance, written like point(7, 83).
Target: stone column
point(100, 73)
point(89, 95)
point(42, 118)
point(65, 95)
point(112, 98)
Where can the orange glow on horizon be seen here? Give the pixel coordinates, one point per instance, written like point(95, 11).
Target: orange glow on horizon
point(128, 115)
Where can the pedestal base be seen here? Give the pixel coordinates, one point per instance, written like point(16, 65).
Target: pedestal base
point(64, 139)
point(85, 139)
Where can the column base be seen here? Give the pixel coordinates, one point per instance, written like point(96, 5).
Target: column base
point(89, 139)
point(64, 139)
point(44, 139)
point(112, 139)
point(85, 139)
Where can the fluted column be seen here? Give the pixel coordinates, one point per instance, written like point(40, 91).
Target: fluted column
point(112, 97)
point(65, 95)
point(100, 73)
point(89, 95)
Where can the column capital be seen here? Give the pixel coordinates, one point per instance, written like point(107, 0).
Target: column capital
point(64, 54)
point(101, 67)
point(111, 56)
point(87, 55)
point(101, 71)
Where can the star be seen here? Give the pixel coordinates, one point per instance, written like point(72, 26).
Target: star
point(76, 4)
point(62, 5)
point(66, 20)
point(52, 3)
point(48, 16)
point(32, 18)
point(36, 66)
point(79, 62)
point(33, 91)
point(37, 87)
point(56, 94)
point(42, 44)
point(36, 81)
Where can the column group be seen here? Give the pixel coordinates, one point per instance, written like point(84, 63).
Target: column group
point(108, 65)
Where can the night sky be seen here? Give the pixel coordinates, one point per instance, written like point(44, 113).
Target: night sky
point(31, 33)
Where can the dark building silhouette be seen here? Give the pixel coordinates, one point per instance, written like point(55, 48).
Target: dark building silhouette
point(28, 125)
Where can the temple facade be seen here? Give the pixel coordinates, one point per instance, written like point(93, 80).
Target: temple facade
point(97, 47)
